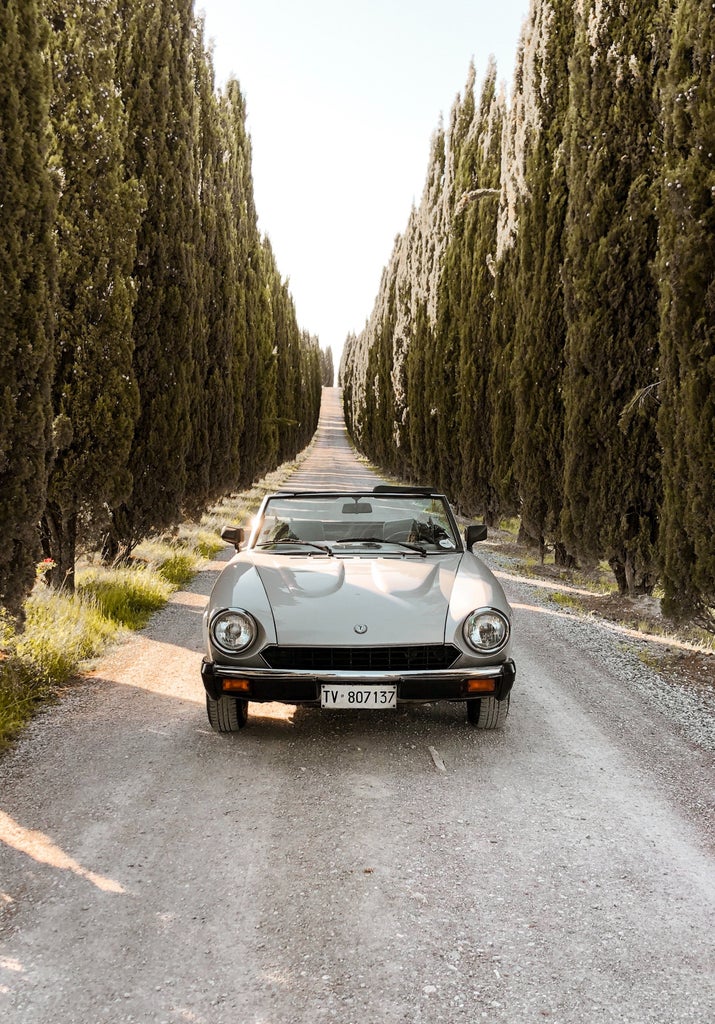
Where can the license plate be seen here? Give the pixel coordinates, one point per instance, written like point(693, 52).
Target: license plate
point(368, 695)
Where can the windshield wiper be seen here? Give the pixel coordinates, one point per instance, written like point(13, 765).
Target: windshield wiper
point(379, 540)
point(323, 548)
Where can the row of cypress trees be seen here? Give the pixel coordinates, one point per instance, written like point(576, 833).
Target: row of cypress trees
point(543, 341)
point(150, 358)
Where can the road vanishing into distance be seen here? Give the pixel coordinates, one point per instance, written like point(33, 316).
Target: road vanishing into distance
point(362, 867)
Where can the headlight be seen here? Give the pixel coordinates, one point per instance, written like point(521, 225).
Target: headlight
point(486, 630)
point(233, 631)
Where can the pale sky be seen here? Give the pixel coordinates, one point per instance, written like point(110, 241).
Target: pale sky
point(343, 97)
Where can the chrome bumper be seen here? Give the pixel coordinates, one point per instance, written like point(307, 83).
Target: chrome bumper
point(303, 686)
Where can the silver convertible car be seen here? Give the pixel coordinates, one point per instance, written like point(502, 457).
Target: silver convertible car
point(356, 601)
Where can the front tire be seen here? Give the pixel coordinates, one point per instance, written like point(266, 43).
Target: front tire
point(487, 712)
point(227, 714)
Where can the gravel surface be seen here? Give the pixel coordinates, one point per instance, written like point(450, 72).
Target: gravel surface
point(366, 867)
point(621, 650)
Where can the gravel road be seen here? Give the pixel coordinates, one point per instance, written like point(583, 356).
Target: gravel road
point(367, 867)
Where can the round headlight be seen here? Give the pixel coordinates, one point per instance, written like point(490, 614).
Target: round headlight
point(486, 630)
point(233, 631)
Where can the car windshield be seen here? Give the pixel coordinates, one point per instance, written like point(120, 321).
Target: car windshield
point(384, 524)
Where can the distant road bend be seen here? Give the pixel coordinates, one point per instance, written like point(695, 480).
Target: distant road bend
point(366, 867)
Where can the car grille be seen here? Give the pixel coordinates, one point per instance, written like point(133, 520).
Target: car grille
point(363, 659)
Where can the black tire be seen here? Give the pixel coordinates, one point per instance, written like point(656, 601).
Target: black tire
point(227, 714)
point(487, 712)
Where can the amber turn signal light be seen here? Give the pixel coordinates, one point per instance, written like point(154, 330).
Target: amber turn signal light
point(481, 685)
point(235, 685)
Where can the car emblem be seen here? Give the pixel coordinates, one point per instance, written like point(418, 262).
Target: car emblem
point(360, 628)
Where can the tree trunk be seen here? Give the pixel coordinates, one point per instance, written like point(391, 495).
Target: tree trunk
point(619, 571)
point(59, 542)
point(562, 558)
point(118, 541)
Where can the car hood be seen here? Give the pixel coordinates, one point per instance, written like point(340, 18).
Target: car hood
point(337, 601)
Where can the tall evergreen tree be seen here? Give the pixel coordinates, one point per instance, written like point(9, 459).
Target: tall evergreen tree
point(204, 120)
point(686, 264)
point(156, 73)
point(218, 403)
point(612, 471)
point(540, 327)
point(262, 421)
point(287, 349)
point(421, 422)
point(95, 396)
point(345, 381)
point(312, 386)
point(26, 294)
point(257, 440)
point(501, 393)
point(476, 218)
point(516, 131)
point(327, 370)
point(442, 381)
point(380, 406)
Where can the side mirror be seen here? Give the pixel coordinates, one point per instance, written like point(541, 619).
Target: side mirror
point(473, 534)
point(234, 535)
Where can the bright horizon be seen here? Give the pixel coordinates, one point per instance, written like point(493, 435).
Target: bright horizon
point(343, 101)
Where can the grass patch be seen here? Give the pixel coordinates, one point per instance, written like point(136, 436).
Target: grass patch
point(566, 601)
point(206, 543)
point(19, 697)
point(126, 597)
point(179, 568)
point(510, 526)
point(61, 631)
point(649, 659)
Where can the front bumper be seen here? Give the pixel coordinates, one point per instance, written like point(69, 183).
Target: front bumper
point(303, 687)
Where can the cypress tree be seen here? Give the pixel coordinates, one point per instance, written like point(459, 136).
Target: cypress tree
point(257, 440)
point(327, 370)
point(95, 397)
point(203, 119)
point(287, 348)
point(312, 385)
point(219, 400)
point(381, 415)
point(345, 381)
point(612, 472)
point(686, 263)
point(262, 351)
point(421, 423)
point(540, 327)
point(26, 294)
point(418, 261)
point(157, 83)
point(453, 292)
point(501, 394)
point(476, 216)
point(516, 131)
point(368, 396)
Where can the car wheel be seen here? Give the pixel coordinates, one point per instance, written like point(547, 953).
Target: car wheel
point(227, 714)
point(487, 712)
